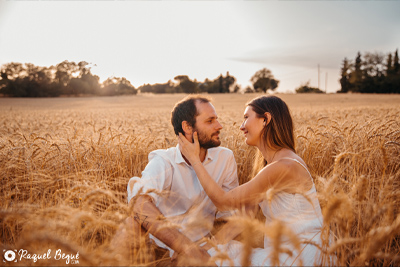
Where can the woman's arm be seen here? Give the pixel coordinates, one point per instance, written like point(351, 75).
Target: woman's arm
point(248, 193)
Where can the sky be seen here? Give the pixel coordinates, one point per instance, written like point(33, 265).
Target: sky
point(154, 41)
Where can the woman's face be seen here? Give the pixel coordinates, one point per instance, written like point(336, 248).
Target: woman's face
point(252, 126)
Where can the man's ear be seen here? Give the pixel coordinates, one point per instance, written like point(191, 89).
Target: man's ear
point(268, 118)
point(187, 129)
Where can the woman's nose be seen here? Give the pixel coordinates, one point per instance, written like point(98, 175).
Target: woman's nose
point(242, 127)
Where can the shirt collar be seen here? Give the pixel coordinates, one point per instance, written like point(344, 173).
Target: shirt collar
point(179, 158)
point(209, 156)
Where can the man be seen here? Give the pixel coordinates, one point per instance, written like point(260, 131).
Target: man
point(168, 201)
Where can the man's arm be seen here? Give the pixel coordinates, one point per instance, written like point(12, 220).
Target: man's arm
point(152, 220)
point(231, 229)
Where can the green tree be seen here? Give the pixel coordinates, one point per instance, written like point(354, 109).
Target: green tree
point(345, 77)
point(145, 88)
point(263, 80)
point(396, 64)
point(38, 81)
point(236, 88)
point(13, 70)
point(391, 84)
point(186, 85)
point(389, 65)
point(373, 73)
point(373, 64)
point(227, 83)
point(65, 71)
point(10, 72)
point(27, 80)
point(118, 86)
point(356, 75)
point(221, 84)
point(248, 90)
point(76, 79)
point(89, 82)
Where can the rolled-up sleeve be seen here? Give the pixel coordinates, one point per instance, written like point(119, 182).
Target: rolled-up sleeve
point(156, 177)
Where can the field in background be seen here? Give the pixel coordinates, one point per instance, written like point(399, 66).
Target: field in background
point(65, 164)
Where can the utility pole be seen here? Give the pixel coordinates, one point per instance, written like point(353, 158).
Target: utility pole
point(318, 76)
point(326, 82)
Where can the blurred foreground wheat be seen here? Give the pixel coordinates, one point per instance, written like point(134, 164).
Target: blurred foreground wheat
point(64, 176)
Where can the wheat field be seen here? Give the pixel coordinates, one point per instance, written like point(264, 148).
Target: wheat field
point(65, 164)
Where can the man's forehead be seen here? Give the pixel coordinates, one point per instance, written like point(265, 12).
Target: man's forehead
point(205, 109)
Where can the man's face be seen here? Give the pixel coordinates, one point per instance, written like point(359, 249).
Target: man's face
point(207, 126)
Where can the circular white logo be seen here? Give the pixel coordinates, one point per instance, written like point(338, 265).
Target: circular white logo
point(9, 255)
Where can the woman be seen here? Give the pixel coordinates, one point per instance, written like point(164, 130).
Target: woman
point(268, 126)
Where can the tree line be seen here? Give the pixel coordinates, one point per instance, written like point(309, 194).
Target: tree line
point(262, 81)
point(64, 79)
point(368, 73)
point(183, 84)
point(371, 73)
point(75, 79)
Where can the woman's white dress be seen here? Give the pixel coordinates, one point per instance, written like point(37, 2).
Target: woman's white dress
point(301, 215)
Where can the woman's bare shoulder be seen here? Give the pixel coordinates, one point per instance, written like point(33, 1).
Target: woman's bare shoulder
point(275, 172)
point(288, 174)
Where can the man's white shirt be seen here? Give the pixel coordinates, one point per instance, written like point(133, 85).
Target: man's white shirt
point(177, 192)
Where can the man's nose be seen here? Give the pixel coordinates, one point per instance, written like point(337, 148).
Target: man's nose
point(218, 126)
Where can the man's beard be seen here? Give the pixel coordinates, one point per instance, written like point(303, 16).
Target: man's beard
point(205, 141)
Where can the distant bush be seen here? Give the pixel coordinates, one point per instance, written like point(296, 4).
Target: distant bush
point(306, 88)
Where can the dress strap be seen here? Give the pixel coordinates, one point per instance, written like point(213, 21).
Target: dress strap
point(301, 165)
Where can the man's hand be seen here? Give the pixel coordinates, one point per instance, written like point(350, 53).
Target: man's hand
point(191, 151)
point(147, 215)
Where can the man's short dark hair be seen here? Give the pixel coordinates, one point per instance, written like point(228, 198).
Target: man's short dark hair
point(185, 110)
